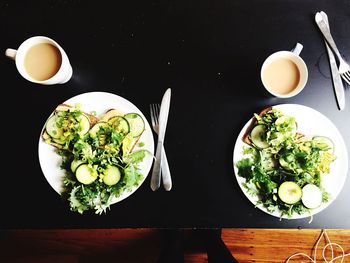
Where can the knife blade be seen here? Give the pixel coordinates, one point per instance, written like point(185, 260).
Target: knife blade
point(337, 81)
point(163, 119)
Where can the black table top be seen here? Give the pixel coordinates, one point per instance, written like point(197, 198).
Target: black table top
point(209, 53)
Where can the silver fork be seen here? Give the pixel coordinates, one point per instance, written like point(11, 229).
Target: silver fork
point(166, 177)
point(344, 68)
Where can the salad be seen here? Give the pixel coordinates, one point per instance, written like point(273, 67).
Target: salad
point(97, 155)
point(282, 167)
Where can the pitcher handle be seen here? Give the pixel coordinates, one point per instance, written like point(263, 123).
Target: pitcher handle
point(11, 53)
point(297, 49)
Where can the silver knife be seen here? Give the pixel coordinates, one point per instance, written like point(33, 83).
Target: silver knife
point(163, 119)
point(337, 81)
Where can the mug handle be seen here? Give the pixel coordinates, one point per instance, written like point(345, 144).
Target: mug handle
point(297, 49)
point(11, 53)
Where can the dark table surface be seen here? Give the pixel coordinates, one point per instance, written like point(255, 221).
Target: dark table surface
point(209, 53)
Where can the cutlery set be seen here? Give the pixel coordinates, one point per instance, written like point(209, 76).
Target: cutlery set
point(340, 71)
point(159, 118)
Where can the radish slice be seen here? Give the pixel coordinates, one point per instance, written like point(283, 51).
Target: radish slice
point(312, 196)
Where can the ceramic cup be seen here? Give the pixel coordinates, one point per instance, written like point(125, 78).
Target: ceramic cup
point(284, 74)
point(38, 56)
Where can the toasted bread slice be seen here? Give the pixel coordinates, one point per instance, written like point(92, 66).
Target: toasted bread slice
point(65, 107)
point(129, 142)
point(246, 137)
point(55, 141)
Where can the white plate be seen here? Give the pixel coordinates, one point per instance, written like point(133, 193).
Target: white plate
point(310, 122)
point(99, 102)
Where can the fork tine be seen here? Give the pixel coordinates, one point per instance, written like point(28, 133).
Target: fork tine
point(347, 74)
point(152, 114)
point(346, 77)
point(157, 109)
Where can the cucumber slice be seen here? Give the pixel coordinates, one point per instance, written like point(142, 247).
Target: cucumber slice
point(258, 136)
point(312, 196)
point(120, 124)
point(84, 123)
point(136, 122)
point(289, 192)
point(268, 162)
point(287, 160)
point(324, 143)
point(111, 175)
point(97, 127)
point(56, 132)
point(110, 114)
point(75, 164)
point(52, 129)
point(98, 131)
point(86, 174)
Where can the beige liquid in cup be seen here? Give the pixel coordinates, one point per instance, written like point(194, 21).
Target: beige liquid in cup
point(281, 76)
point(42, 61)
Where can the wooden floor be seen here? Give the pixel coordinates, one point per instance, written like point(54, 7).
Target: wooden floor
point(143, 245)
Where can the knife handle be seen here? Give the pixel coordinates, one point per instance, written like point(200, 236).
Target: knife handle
point(166, 177)
point(155, 179)
point(327, 34)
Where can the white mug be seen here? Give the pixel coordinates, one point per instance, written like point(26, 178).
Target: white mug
point(61, 75)
point(284, 74)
